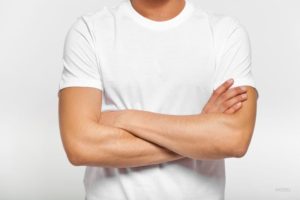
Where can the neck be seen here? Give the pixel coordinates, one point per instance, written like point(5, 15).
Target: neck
point(158, 10)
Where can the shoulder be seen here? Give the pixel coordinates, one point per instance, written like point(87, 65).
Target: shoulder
point(216, 19)
point(93, 18)
point(99, 17)
point(225, 26)
point(221, 21)
point(221, 24)
point(93, 23)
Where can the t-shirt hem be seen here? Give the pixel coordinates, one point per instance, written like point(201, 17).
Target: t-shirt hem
point(77, 83)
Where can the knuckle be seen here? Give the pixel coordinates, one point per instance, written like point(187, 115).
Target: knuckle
point(231, 110)
point(243, 96)
point(238, 105)
point(240, 97)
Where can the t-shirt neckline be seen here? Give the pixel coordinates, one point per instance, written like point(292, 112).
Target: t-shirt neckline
point(160, 25)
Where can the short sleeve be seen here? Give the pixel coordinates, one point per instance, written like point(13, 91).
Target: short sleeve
point(79, 60)
point(234, 57)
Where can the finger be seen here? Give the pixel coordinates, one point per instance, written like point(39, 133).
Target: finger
point(232, 93)
point(231, 102)
point(234, 108)
point(221, 89)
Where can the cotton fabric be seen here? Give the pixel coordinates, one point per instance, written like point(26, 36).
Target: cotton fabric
point(169, 67)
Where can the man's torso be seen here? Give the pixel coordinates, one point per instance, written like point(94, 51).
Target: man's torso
point(166, 69)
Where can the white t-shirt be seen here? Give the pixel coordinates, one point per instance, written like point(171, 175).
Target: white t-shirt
point(166, 67)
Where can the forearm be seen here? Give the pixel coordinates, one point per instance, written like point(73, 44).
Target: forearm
point(109, 146)
point(205, 136)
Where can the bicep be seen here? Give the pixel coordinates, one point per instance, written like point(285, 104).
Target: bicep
point(244, 119)
point(79, 107)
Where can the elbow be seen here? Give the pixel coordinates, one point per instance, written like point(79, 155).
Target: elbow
point(74, 154)
point(239, 151)
point(74, 159)
point(240, 145)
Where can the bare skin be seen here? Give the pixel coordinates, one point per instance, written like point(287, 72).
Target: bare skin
point(202, 136)
point(214, 133)
point(80, 110)
point(109, 143)
point(88, 141)
point(158, 10)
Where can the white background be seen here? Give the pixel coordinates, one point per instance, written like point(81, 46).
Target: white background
point(33, 164)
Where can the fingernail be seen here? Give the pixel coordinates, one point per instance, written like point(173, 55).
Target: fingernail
point(230, 80)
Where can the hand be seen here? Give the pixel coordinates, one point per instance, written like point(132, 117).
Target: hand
point(225, 100)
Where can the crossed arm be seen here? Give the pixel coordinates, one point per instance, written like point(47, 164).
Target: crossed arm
point(204, 136)
point(132, 138)
point(88, 142)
